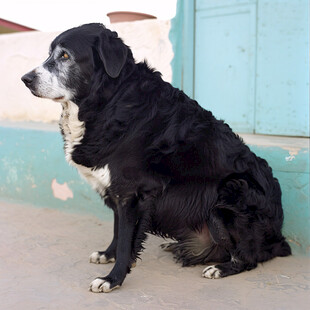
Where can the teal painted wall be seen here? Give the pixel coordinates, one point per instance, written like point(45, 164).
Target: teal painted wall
point(182, 39)
point(176, 39)
point(247, 61)
point(294, 178)
point(225, 43)
point(31, 159)
point(29, 162)
point(282, 83)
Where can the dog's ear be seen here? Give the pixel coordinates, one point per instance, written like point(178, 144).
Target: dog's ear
point(112, 52)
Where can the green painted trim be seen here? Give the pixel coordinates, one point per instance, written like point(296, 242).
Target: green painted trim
point(292, 172)
point(295, 199)
point(29, 162)
point(285, 160)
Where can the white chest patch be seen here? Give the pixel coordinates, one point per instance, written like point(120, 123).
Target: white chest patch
point(74, 131)
point(72, 127)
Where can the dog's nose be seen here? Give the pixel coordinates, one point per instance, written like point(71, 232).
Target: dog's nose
point(28, 77)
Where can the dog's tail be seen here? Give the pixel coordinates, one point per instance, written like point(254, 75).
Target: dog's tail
point(278, 246)
point(282, 248)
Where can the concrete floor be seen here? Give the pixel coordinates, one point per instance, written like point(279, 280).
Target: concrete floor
point(44, 265)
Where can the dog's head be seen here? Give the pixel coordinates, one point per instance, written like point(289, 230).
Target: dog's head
point(74, 57)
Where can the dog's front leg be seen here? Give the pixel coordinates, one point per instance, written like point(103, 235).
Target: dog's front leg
point(109, 255)
point(127, 215)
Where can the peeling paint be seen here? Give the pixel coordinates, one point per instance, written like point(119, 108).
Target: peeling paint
point(289, 158)
point(292, 240)
point(292, 153)
point(292, 150)
point(61, 191)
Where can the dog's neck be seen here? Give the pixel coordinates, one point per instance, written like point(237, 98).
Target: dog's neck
point(71, 127)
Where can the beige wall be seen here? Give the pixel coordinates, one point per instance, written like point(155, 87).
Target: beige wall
point(21, 52)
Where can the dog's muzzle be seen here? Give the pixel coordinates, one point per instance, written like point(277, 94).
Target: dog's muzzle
point(29, 78)
point(30, 81)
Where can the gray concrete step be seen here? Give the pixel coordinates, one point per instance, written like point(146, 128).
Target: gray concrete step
point(44, 265)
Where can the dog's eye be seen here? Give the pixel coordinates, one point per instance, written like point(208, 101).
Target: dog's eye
point(65, 55)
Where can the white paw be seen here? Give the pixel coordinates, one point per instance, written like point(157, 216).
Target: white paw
point(101, 286)
point(211, 272)
point(96, 258)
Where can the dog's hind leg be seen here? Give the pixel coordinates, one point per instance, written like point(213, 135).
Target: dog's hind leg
point(237, 251)
point(226, 269)
point(234, 225)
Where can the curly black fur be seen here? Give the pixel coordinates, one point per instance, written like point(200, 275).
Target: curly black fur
point(176, 171)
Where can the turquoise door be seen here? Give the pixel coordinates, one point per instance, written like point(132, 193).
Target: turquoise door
point(251, 64)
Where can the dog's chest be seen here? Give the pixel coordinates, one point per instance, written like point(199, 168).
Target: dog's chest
point(74, 130)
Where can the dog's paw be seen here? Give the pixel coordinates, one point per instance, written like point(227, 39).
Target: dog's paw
point(100, 285)
point(100, 258)
point(211, 272)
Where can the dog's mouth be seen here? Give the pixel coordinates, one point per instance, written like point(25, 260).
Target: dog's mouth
point(35, 93)
point(59, 98)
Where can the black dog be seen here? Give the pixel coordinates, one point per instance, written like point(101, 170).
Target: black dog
point(161, 162)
